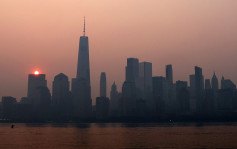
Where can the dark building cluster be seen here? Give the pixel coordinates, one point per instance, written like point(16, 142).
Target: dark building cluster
point(143, 96)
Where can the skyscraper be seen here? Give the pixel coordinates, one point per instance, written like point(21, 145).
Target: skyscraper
point(169, 74)
point(227, 84)
point(103, 84)
point(160, 93)
point(199, 84)
point(132, 69)
point(60, 91)
point(145, 78)
point(192, 93)
point(114, 100)
point(214, 82)
point(83, 66)
point(182, 96)
point(207, 84)
point(81, 88)
point(35, 81)
point(144, 84)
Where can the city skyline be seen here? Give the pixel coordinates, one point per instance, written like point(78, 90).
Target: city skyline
point(53, 52)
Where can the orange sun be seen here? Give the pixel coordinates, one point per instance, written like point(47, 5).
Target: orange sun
point(36, 72)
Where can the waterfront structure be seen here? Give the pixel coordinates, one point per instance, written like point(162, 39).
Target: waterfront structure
point(60, 90)
point(160, 94)
point(81, 88)
point(169, 74)
point(214, 82)
point(207, 84)
point(182, 96)
point(132, 69)
point(102, 108)
point(35, 83)
point(114, 100)
point(199, 88)
point(103, 85)
point(227, 84)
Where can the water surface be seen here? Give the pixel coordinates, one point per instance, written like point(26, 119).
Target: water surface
point(93, 135)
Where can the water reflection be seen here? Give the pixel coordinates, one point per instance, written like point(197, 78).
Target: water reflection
point(118, 135)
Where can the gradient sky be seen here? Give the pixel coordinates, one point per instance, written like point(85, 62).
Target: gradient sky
point(44, 34)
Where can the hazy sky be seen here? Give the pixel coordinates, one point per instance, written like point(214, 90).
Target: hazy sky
point(44, 34)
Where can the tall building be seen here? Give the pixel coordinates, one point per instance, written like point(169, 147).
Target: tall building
point(192, 91)
point(60, 91)
point(103, 84)
point(144, 85)
point(35, 82)
point(214, 82)
point(160, 94)
point(199, 84)
point(114, 100)
point(169, 74)
point(182, 96)
point(8, 107)
point(171, 101)
point(227, 84)
point(83, 65)
point(207, 84)
point(132, 69)
point(81, 88)
point(145, 78)
point(128, 99)
point(102, 107)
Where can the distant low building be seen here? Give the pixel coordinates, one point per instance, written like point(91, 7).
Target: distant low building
point(102, 108)
point(8, 106)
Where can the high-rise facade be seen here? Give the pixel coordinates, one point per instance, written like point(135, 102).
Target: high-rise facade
point(145, 78)
point(169, 74)
point(132, 69)
point(214, 82)
point(81, 88)
point(192, 91)
point(207, 84)
point(182, 96)
point(103, 84)
point(114, 100)
point(199, 88)
point(60, 90)
point(144, 84)
point(35, 83)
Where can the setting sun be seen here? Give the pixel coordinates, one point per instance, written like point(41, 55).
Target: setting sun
point(36, 72)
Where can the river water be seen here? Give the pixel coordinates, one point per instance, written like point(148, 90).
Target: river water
point(116, 135)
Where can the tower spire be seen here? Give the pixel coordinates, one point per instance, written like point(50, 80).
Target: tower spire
point(84, 31)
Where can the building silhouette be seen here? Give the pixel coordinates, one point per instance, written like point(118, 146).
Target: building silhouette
point(144, 85)
point(128, 100)
point(103, 85)
point(81, 88)
point(207, 84)
point(60, 90)
point(169, 74)
point(114, 101)
point(182, 96)
point(160, 94)
point(145, 79)
point(227, 84)
point(35, 83)
point(199, 89)
point(102, 108)
point(61, 97)
point(132, 69)
point(214, 82)
point(8, 107)
point(171, 101)
point(192, 91)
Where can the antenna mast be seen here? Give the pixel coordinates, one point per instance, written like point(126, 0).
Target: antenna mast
point(84, 31)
